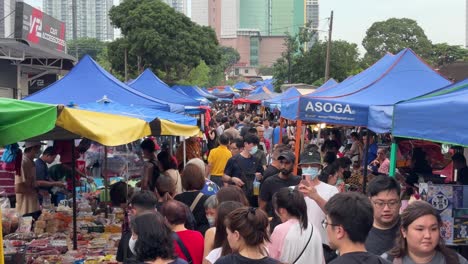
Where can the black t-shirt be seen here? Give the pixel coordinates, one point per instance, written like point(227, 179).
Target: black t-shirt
point(176, 261)
point(198, 212)
point(238, 259)
point(270, 171)
point(124, 254)
point(269, 187)
point(238, 164)
point(380, 241)
point(359, 257)
point(463, 176)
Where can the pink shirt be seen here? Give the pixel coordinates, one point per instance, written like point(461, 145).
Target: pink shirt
point(384, 167)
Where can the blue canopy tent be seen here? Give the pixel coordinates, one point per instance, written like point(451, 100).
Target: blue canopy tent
point(148, 83)
point(147, 114)
point(88, 81)
point(243, 86)
point(276, 101)
point(327, 85)
point(194, 92)
point(435, 116)
point(397, 78)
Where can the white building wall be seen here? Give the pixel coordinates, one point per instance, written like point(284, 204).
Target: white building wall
point(199, 12)
point(229, 18)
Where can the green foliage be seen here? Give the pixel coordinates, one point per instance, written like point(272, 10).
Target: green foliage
point(443, 54)
point(265, 70)
point(309, 67)
point(392, 36)
point(116, 55)
point(82, 46)
point(199, 76)
point(163, 39)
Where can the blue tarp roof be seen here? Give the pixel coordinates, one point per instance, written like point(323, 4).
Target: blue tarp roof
point(243, 86)
point(88, 82)
point(327, 85)
point(438, 116)
point(390, 80)
point(149, 84)
point(194, 92)
point(276, 102)
point(145, 113)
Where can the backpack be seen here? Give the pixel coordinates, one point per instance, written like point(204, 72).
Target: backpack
point(155, 176)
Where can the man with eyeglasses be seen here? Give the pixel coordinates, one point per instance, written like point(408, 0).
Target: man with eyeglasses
point(347, 223)
point(274, 183)
point(384, 194)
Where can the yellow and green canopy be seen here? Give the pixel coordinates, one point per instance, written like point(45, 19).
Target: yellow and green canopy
point(21, 120)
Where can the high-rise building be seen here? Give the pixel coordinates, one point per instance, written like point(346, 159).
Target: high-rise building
point(178, 5)
point(7, 15)
point(228, 18)
point(272, 17)
point(92, 17)
point(312, 15)
point(199, 12)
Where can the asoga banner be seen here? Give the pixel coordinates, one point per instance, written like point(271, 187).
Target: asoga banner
point(332, 111)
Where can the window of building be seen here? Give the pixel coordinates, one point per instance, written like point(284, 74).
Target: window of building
point(246, 71)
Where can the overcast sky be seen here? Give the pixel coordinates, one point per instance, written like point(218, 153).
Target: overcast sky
point(442, 20)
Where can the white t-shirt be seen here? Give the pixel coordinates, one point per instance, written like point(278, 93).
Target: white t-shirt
point(315, 213)
point(214, 255)
point(289, 241)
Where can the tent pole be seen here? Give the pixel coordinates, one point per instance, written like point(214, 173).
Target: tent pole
point(106, 182)
point(393, 158)
point(281, 130)
point(366, 155)
point(185, 152)
point(298, 144)
point(75, 241)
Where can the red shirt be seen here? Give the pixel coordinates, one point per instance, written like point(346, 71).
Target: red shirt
point(193, 241)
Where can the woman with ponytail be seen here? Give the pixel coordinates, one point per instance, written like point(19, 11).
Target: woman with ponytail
point(295, 240)
point(247, 233)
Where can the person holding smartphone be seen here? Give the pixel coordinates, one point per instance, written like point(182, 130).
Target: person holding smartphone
point(316, 194)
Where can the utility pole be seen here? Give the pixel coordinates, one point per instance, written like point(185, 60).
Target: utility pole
point(327, 63)
point(126, 64)
point(75, 26)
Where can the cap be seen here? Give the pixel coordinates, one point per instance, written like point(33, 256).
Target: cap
point(310, 157)
point(30, 144)
point(287, 155)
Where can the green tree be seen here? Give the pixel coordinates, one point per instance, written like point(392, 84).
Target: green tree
point(163, 39)
point(82, 46)
point(392, 36)
point(115, 56)
point(199, 76)
point(443, 54)
point(309, 67)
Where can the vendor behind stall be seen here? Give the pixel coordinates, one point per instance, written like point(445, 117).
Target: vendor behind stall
point(27, 202)
point(43, 181)
point(459, 163)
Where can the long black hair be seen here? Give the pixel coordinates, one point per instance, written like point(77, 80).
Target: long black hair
point(154, 238)
point(293, 202)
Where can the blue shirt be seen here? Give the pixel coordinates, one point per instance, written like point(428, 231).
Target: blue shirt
point(276, 135)
point(42, 173)
point(371, 153)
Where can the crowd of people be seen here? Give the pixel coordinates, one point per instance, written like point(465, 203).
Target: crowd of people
point(238, 200)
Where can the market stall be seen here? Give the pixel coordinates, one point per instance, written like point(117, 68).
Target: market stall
point(95, 234)
point(390, 80)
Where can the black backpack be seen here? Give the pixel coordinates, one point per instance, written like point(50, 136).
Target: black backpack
point(155, 176)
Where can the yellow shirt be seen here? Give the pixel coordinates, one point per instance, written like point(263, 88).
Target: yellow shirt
point(218, 159)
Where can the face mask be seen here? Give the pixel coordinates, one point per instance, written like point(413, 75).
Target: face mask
point(211, 220)
point(253, 150)
point(338, 182)
point(311, 171)
point(145, 159)
point(131, 245)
